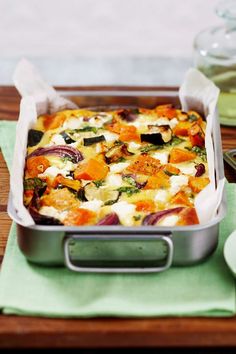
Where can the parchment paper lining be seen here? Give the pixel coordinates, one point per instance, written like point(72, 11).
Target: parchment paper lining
point(196, 93)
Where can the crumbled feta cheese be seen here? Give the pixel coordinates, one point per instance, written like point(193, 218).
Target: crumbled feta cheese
point(69, 166)
point(188, 170)
point(73, 123)
point(173, 122)
point(125, 212)
point(138, 124)
point(93, 205)
point(53, 171)
point(57, 139)
point(74, 145)
point(110, 137)
point(162, 156)
point(133, 146)
point(99, 120)
point(176, 182)
point(118, 167)
point(162, 121)
point(114, 180)
point(98, 148)
point(170, 220)
point(161, 196)
point(53, 212)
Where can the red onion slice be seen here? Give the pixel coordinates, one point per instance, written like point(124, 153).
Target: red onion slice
point(153, 218)
point(110, 219)
point(59, 150)
point(41, 219)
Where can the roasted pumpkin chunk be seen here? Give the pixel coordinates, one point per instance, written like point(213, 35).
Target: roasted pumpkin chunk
point(145, 165)
point(178, 155)
point(91, 170)
point(197, 184)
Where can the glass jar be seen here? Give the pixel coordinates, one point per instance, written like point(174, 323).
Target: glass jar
point(215, 56)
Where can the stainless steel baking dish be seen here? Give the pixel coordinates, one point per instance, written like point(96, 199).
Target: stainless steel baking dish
point(122, 249)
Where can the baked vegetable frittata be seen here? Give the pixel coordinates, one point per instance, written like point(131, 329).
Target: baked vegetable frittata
point(126, 167)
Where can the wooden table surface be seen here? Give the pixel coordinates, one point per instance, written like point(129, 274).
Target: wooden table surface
point(103, 332)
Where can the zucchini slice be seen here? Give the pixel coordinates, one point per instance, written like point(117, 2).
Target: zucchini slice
point(93, 140)
point(34, 137)
point(106, 195)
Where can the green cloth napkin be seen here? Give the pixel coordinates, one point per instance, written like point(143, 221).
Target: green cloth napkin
point(207, 289)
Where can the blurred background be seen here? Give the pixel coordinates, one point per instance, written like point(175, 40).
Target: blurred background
point(89, 42)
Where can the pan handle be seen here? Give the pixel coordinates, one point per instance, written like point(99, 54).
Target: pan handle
point(163, 242)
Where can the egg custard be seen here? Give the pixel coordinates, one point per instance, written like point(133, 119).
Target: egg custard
point(125, 167)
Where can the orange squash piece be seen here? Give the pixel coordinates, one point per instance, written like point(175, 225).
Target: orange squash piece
point(197, 184)
point(129, 133)
point(91, 170)
point(36, 165)
point(181, 199)
point(188, 216)
point(171, 170)
point(80, 216)
point(179, 155)
point(182, 128)
point(145, 165)
point(70, 183)
point(145, 206)
point(53, 121)
point(115, 127)
point(166, 110)
point(160, 180)
point(60, 199)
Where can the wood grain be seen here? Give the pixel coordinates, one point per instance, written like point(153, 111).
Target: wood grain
point(27, 332)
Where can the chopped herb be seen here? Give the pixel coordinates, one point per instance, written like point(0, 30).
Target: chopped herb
point(168, 173)
point(87, 129)
point(121, 159)
point(201, 152)
point(175, 141)
point(192, 118)
point(129, 180)
point(137, 217)
point(33, 183)
point(110, 202)
point(151, 147)
point(67, 158)
point(128, 190)
point(99, 183)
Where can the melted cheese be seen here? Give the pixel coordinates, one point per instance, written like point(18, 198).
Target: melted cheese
point(162, 156)
point(114, 180)
point(93, 205)
point(118, 167)
point(170, 220)
point(52, 212)
point(125, 212)
point(177, 182)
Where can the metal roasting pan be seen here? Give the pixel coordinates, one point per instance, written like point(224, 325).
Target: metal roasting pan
point(118, 249)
